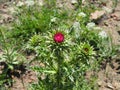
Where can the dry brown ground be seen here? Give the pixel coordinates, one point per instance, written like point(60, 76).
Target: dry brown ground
point(109, 76)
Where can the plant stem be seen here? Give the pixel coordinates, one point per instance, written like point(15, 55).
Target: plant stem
point(59, 76)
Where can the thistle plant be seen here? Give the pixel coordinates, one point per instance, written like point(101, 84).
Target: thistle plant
point(65, 60)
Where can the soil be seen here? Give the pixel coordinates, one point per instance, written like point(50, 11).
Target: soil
point(108, 75)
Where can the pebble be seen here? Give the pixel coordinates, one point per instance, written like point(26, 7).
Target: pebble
point(99, 83)
point(74, 2)
point(109, 85)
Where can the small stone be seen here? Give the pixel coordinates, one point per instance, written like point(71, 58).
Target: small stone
point(99, 83)
point(109, 85)
point(1, 21)
point(0, 72)
point(97, 14)
point(74, 2)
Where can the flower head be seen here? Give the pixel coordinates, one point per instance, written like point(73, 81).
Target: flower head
point(87, 49)
point(58, 37)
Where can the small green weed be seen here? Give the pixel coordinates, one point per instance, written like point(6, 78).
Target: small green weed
point(10, 59)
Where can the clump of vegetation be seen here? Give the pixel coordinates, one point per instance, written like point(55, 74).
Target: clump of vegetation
point(10, 59)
